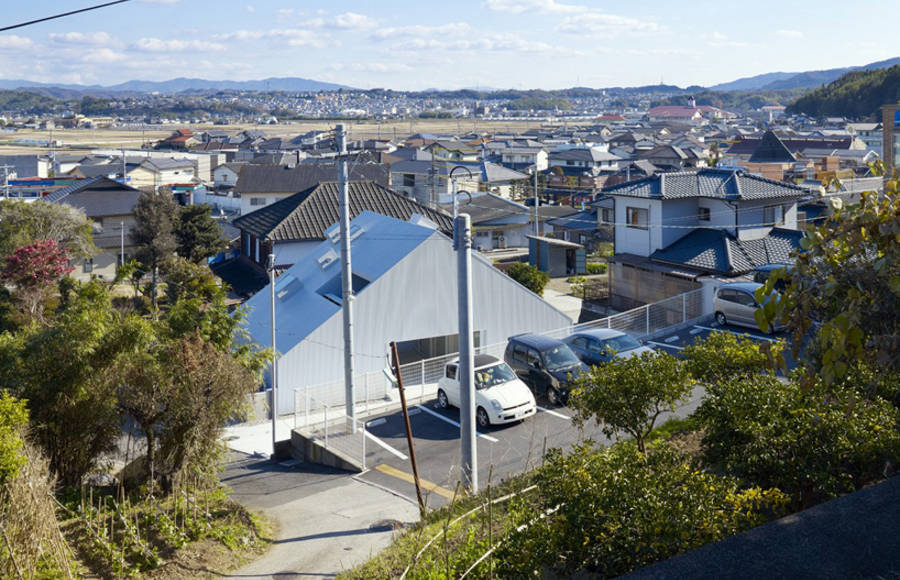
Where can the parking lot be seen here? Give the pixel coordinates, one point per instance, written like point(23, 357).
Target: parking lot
point(502, 450)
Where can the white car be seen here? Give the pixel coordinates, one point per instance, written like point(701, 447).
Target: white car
point(500, 397)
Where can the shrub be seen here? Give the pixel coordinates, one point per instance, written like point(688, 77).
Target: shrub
point(594, 268)
point(529, 276)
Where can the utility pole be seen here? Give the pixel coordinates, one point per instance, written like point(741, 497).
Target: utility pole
point(271, 266)
point(462, 228)
point(346, 278)
point(122, 243)
point(124, 170)
point(536, 202)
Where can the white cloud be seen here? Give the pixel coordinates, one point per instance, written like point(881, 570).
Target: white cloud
point(793, 34)
point(719, 40)
point(160, 45)
point(83, 38)
point(250, 8)
point(520, 6)
point(483, 43)
point(373, 67)
point(160, 1)
point(606, 25)
point(292, 36)
point(418, 30)
point(15, 42)
point(351, 21)
point(102, 56)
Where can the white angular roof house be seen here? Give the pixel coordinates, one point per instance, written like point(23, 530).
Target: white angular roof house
point(404, 277)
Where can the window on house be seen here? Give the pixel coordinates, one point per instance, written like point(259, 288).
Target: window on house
point(257, 201)
point(638, 217)
point(409, 180)
point(773, 215)
point(703, 214)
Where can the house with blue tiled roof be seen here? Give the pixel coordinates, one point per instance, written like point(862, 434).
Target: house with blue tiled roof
point(672, 229)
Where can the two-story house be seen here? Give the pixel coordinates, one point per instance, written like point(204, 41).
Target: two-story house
point(673, 228)
point(580, 160)
point(110, 205)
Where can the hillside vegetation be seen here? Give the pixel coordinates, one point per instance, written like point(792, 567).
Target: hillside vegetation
point(856, 95)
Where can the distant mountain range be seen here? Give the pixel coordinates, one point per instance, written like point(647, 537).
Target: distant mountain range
point(779, 81)
point(291, 84)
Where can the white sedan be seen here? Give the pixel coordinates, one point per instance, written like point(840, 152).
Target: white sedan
point(500, 397)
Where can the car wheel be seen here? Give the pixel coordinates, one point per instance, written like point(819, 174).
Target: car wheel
point(553, 396)
point(720, 318)
point(443, 402)
point(481, 417)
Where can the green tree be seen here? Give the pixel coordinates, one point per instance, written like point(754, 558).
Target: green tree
point(13, 421)
point(529, 276)
point(198, 234)
point(603, 513)
point(844, 289)
point(25, 223)
point(812, 443)
point(627, 395)
point(155, 218)
point(64, 370)
point(723, 357)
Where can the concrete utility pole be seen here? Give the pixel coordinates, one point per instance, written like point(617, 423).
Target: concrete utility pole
point(271, 266)
point(346, 278)
point(122, 243)
point(465, 374)
point(536, 202)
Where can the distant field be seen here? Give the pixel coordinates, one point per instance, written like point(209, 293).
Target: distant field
point(86, 139)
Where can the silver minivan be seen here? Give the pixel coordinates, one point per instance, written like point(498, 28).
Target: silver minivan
point(735, 303)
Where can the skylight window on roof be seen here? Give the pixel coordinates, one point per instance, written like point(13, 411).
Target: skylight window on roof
point(286, 285)
point(327, 259)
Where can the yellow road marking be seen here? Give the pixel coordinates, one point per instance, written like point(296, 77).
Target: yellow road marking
point(433, 487)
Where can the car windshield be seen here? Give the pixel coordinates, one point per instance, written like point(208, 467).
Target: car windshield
point(559, 357)
point(495, 375)
point(621, 343)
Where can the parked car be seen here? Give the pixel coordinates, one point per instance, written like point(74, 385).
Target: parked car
point(598, 346)
point(547, 365)
point(500, 397)
point(761, 274)
point(735, 303)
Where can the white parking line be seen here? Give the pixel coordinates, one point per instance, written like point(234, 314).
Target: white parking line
point(696, 330)
point(555, 413)
point(737, 333)
point(385, 445)
point(665, 345)
point(454, 423)
point(376, 422)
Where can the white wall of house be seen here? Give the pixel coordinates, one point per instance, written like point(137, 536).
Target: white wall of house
point(755, 221)
point(634, 240)
point(254, 201)
point(678, 212)
point(224, 176)
point(289, 253)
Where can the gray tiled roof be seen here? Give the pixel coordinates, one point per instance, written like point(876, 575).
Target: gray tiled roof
point(718, 251)
point(282, 179)
point(306, 215)
point(771, 150)
point(99, 196)
point(715, 183)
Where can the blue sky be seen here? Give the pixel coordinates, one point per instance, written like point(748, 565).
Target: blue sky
point(466, 43)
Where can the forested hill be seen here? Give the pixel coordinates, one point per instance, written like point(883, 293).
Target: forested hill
point(856, 95)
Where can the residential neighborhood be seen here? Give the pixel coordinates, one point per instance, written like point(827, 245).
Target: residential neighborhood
point(390, 319)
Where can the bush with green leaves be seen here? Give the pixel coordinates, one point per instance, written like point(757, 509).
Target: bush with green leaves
point(595, 268)
point(813, 443)
point(628, 395)
point(607, 512)
point(723, 357)
point(529, 276)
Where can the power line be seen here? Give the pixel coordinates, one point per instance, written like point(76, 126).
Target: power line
point(54, 17)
